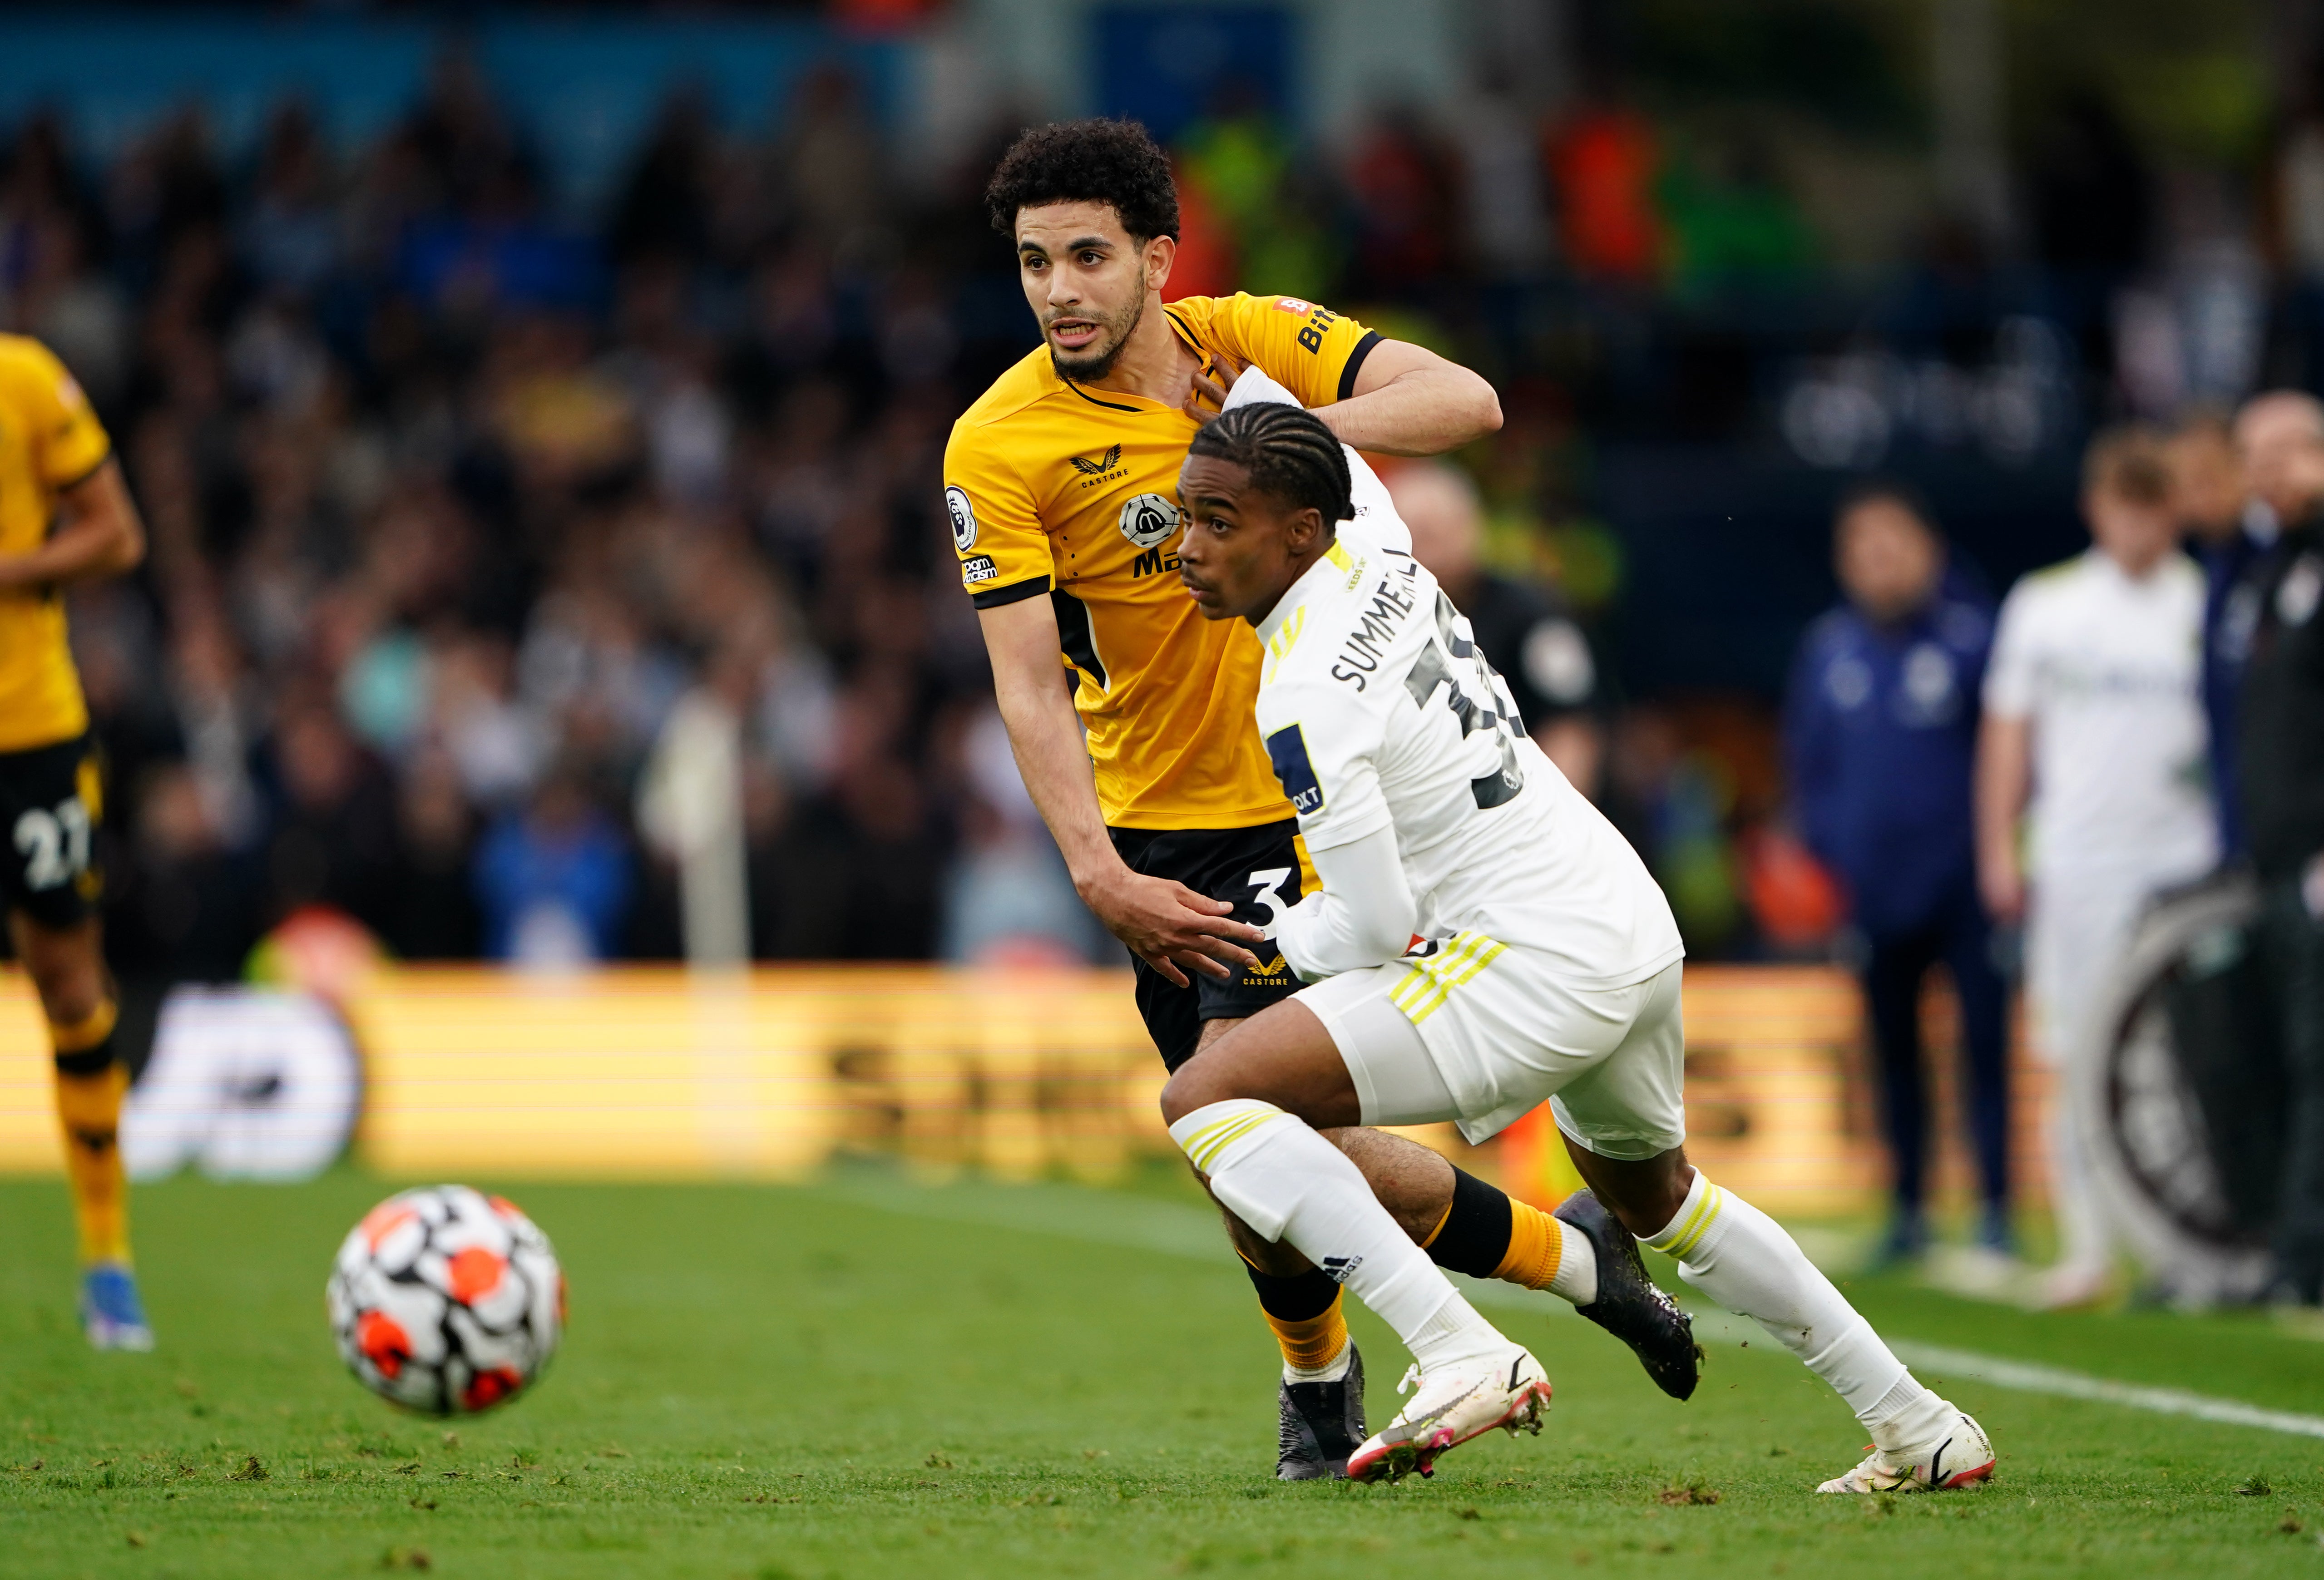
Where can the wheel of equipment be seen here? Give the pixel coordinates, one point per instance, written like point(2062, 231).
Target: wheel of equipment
point(2180, 1094)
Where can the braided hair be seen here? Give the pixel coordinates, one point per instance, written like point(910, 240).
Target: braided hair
point(1288, 452)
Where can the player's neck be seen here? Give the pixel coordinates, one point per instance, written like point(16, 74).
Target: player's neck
point(1154, 361)
point(1298, 567)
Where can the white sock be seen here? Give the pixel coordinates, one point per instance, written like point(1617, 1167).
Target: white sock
point(1288, 1183)
point(1576, 1279)
point(1454, 1335)
point(1331, 1370)
point(1742, 1259)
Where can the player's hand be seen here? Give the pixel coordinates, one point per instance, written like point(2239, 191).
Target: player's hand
point(1168, 925)
point(1209, 391)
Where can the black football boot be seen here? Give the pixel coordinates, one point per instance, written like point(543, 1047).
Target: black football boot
point(1630, 1304)
point(1323, 1424)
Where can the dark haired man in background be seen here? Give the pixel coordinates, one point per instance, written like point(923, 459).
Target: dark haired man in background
point(1061, 483)
point(1880, 732)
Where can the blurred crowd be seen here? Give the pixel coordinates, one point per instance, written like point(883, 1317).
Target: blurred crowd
point(452, 505)
point(456, 504)
point(458, 499)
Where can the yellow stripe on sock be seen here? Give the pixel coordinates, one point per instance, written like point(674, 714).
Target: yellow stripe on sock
point(86, 1032)
point(1205, 1145)
point(1698, 1223)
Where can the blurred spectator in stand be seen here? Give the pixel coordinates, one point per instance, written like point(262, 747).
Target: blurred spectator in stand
point(2280, 775)
point(1603, 164)
point(1252, 202)
point(332, 839)
point(1407, 193)
point(553, 880)
point(1011, 900)
point(2093, 734)
point(435, 915)
point(2207, 482)
point(1527, 635)
point(1880, 733)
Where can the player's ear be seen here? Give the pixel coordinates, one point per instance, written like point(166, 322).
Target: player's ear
point(1160, 253)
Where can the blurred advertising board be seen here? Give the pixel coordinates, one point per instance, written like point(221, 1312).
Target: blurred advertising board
point(653, 1073)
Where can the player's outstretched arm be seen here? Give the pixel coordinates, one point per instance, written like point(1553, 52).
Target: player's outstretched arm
point(98, 535)
point(1165, 923)
point(1407, 400)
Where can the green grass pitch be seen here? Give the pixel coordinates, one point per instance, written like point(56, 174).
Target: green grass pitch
point(884, 1380)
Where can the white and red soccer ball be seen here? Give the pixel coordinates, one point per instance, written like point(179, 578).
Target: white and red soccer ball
point(446, 1300)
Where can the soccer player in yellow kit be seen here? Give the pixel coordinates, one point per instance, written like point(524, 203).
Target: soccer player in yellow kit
point(65, 517)
point(1061, 484)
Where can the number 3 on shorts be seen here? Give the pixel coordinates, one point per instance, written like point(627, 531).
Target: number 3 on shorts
point(54, 844)
point(1266, 881)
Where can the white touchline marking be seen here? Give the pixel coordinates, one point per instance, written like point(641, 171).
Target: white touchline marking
point(2027, 1377)
point(1139, 1224)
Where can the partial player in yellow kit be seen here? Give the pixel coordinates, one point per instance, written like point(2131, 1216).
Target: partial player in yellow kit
point(65, 517)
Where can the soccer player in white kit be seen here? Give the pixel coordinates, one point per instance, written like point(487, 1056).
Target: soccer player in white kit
point(2094, 713)
point(1481, 938)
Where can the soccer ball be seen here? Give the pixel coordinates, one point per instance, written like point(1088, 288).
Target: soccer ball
point(446, 1301)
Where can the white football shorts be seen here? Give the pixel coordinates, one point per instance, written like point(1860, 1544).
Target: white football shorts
point(1482, 1033)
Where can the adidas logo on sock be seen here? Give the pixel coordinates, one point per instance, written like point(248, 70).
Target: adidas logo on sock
point(1340, 1268)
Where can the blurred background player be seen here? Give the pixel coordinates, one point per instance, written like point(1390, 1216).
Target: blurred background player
point(65, 517)
point(2094, 736)
point(2280, 774)
point(1880, 735)
point(1524, 630)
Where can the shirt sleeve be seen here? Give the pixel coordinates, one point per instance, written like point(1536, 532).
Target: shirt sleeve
point(1325, 748)
point(1004, 554)
point(1311, 351)
point(2010, 669)
point(1362, 914)
point(68, 442)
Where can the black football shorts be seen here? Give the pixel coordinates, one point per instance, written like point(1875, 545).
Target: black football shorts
point(1234, 865)
point(51, 802)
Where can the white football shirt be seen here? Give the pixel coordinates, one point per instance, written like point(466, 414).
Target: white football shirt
point(1379, 712)
point(2108, 669)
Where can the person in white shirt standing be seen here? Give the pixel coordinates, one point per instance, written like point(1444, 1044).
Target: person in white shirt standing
point(2094, 742)
point(1480, 940)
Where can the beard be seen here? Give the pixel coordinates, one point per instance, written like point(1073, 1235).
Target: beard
point(1088, 365)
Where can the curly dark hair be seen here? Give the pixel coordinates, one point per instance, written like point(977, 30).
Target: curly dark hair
point(1288, 452)
point(1086, 162)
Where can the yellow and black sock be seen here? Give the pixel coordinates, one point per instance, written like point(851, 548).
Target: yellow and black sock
point(1486, 1232)
point(90, 1087)
point(1304, 1312)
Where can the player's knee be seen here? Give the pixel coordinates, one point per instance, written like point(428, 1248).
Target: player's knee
point(1184, 1093)
point(1647, 1194)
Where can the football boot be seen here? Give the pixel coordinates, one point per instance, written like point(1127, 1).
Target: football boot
point(111, 1314)
point(1630, 1305)
point(1448, 1407)
point(1961, 1455)
point(1322, 1423)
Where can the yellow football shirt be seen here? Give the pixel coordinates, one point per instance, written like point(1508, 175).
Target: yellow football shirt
point(1056, 489)
point(50, 440)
